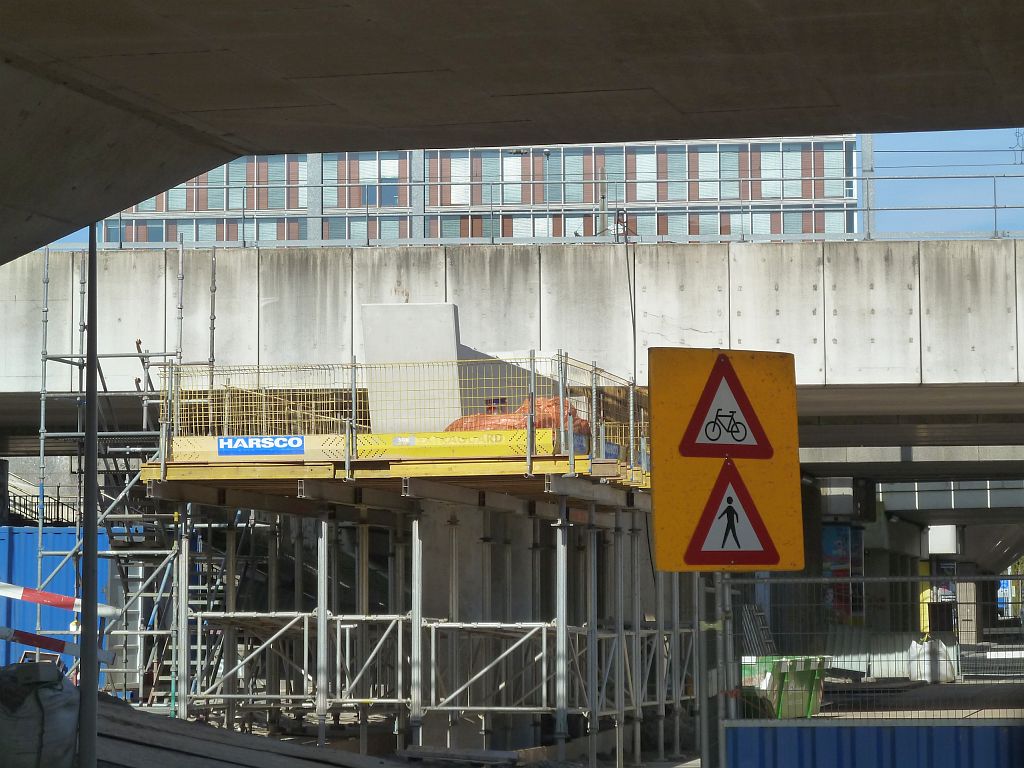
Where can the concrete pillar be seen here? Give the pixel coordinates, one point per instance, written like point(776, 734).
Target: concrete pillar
point(314, 198)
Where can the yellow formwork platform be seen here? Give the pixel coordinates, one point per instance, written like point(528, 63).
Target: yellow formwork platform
point(442, 455)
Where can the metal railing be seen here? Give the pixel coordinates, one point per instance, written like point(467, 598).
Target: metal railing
point(55, 511)
point(556, 402)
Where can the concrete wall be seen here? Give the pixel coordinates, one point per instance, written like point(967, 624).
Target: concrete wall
point(853, 313)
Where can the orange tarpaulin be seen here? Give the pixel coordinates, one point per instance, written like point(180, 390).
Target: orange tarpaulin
point(547, 418)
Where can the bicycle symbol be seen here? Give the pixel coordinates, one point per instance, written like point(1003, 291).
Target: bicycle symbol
point(725, 421)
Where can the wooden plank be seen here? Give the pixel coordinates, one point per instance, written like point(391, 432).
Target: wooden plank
point(476, 756)
point(119, 719)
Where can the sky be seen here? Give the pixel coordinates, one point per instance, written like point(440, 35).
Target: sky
point(965, 171)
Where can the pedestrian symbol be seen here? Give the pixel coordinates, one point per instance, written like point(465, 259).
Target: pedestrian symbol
point(730, 531)
point(724, 423)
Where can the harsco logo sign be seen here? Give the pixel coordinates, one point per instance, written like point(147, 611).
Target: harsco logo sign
point(261, 446)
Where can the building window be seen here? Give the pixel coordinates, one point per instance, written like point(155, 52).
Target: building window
point(834, 170)
point(177, 198)
point(553, 175)
point(490, 178)
point(615, 173)
point(761, 223)
point(677, 173)
point(792, 222)
point(186, 230)
point(276, 179)
point(646, 174)
point(215, 189)
point(112, 231)
point(335, 229)
point(835, 222)
point(358, 230)
point(266, 229)
point(739, 224)
point(771, 171)
point(389, 228)
point(678, 227)
point(708, 224)
point(707, 173)
point(207, 230)
point(368, 177)
point(237, 170)
point(389, 178)
point(792, 170)
point(647, 226)
point(451, 226)
point(329, 175)
point(729, 169)
point(512, 177)
point(147, 206)
point(460, 178)
point(573, 226)
point(574, 176)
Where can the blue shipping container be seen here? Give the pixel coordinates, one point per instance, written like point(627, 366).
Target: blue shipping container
point(18, 548)
point(863, 744)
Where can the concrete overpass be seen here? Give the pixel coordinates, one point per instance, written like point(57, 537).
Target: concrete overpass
point(907, 353)
point(109, 103)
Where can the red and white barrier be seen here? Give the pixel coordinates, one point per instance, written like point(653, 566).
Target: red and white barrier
point(29, 595)
point(51, 644)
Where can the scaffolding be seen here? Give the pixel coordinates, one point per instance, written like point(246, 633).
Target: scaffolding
point(444, 552)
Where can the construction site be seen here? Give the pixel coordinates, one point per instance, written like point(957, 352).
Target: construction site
point(382, 557)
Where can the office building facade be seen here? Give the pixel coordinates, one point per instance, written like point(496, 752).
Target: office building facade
point(656, 191)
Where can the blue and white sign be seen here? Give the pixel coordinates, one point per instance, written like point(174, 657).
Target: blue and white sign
point(272, 445)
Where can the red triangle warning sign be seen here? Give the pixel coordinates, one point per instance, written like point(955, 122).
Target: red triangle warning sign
point(730, 530)
point(724, 423)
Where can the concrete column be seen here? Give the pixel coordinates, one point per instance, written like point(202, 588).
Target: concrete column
point(314, 198)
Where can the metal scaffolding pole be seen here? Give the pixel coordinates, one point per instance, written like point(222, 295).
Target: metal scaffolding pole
point(273, 581)
point(620, 641)
point(659, 649)
point(89, 674)
point(562, 627)
point(398, 608)
point(677, 671)
point(416, 649)
point(637, 667)
point(720, 670)
point(181, 613)
point(230, 636)
point(363, 609)
point(700, 667)
point(321, 630)
point(452, 735)
point(594, 724)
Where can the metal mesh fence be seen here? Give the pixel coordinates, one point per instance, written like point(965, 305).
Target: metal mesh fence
point(894, 648)
point(577, 401)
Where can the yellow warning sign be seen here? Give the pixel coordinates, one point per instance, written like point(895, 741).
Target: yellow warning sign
point(725, 479)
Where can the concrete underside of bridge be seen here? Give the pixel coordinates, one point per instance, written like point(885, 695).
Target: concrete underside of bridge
point(107, 104)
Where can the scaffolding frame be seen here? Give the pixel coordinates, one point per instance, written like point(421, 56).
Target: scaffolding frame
point(194, 633)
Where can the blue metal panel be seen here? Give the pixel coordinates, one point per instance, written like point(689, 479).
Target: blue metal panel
point(18, 547)
point(862, 745)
